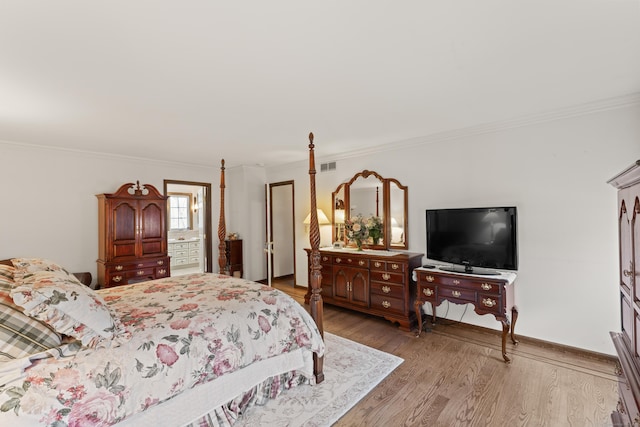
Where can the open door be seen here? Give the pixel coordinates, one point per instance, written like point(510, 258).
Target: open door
point(189, 232)
point(281, 232)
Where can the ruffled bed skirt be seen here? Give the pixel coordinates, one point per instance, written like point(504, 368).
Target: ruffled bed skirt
point(228, 414)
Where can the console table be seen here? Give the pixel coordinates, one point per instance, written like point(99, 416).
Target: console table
point(492, 294)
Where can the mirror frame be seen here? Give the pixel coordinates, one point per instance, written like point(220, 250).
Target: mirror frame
point(343, 191)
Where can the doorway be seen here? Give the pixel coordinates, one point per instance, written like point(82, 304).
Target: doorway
point(189, 233)
point(281, 229)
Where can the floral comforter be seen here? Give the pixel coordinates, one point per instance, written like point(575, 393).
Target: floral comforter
point(185, 331)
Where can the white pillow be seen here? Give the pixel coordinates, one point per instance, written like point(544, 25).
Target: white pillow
point(59, 299)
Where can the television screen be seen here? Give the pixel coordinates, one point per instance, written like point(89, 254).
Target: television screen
point(473, 237)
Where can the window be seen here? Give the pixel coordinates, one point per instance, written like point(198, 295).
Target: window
point(179, 211)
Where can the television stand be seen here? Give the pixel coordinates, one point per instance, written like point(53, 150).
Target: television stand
point(488, 295)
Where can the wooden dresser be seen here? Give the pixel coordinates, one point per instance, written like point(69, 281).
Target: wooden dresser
point(132, 236)
point(370, 282)
point(489, 294)
point(627, 342)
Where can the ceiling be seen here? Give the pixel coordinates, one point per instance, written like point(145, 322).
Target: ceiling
point(194, 81)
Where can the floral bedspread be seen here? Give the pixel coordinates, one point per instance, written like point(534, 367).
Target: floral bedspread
point(185, 331)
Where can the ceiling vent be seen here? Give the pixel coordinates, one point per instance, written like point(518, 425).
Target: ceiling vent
point(326, 167)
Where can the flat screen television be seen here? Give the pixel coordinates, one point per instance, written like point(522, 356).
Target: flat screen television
point(473, 240)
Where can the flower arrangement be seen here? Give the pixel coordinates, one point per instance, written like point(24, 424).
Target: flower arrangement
point(359, 229)
point(374, 224)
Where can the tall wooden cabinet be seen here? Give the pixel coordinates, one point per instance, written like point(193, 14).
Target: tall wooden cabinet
point(132, 235)
point(374, 282)
point(627, 342)
point(233, 252)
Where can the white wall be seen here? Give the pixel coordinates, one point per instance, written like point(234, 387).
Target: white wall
point(245, 214)
point(49, 209)
point(555, 173)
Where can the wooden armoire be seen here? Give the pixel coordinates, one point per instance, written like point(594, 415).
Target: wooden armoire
point(627, 342)
point(132, 235)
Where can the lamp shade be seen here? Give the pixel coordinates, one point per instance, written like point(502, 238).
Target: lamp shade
point(322, 218)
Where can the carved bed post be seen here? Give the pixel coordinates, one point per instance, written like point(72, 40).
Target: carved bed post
point(222, 230)
point(315, 276)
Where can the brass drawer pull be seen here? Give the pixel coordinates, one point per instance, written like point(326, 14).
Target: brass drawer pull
point(488, 302)
point(377, 263)
point(140, 265)
point(456, 282)
point(386, 289)
point(338, 260)
point(428, 292)
point(386, 276)
point(162, 271)
point(119, 268)
point(386, 304)
point(395, 266)
point(140, 272)
point(325, 258)
point(485, 286)
point(160, 262)
point(429, 278)
point(362, 262)
point(116, 279)
point(456, 293)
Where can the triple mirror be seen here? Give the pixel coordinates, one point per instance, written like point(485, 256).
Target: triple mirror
point(372, 198)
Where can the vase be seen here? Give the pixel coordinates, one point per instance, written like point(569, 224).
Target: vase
point(359, 244)
point(376, 240)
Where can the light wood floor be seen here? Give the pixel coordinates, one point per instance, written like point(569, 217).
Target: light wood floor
point(455, 376)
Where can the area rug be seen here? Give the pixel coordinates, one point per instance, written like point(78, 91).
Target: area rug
point(351, 371)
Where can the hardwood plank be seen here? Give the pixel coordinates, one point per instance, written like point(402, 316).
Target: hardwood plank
point(455, 376)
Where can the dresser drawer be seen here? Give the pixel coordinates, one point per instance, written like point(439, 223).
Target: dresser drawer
point(387, 289)
point(162, 272)
point(383, 276)
point(149, 272)
point(427, 292)
point(325, 259)
point(378, 264)
point(456, 294)
point(490, 304)
point(386, 303)
point(351, 261)
point(179, 246)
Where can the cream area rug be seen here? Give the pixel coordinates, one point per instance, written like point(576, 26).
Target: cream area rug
point(351, 370)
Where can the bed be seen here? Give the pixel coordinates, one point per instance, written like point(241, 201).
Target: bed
point(190, 350)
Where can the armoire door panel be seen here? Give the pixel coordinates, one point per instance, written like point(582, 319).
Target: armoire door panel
point(124, 222)
point(152, 222)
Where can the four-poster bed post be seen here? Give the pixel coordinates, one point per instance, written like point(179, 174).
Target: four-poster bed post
point(222, 228)
point(315, 275)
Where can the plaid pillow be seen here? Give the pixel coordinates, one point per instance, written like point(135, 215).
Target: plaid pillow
point(6, 272)
point(20, 335)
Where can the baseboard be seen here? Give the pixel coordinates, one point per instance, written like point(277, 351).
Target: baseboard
point(523, 338)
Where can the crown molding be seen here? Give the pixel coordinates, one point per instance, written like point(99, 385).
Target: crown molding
point(587, 108)
point(103, 155)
